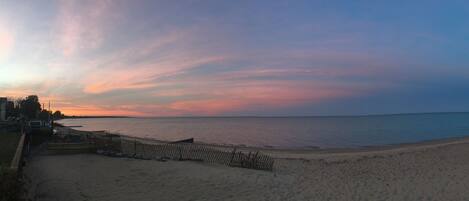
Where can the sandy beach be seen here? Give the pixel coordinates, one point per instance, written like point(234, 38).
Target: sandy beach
point(425, 171)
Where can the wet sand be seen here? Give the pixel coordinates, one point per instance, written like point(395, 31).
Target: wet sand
point(434, 170)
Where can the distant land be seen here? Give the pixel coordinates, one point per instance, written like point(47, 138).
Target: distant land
point(267, 116)
point(83, 117)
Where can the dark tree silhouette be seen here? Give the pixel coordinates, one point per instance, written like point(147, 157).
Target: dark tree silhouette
point(30, 107)
point(44, 115)
point(58, 115)
point(12, 109)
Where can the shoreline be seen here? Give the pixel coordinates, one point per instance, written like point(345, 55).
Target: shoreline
point(310, 140)
point(279, 116)
point(313, 153)
point(308, 148)
point(431, 170)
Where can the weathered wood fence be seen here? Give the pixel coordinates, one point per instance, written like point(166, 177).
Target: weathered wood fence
point(115, 145)
point(225, 156)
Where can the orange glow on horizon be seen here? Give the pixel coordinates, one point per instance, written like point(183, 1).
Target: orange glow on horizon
point(242, 97)
point(96, 111)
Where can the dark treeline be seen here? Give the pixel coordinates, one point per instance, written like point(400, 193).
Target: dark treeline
point(101, 116)
point(30, 108)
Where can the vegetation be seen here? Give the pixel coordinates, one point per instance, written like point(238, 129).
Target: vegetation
point(84, 117)
point(58, 115)
point(8, 143)
point(40, 136)
point(12, 110)
point(10, 185)
point(30, 108)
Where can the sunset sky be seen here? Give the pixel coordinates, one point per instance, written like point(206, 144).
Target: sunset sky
point(178, 58)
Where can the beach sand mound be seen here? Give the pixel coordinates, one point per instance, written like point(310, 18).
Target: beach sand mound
point(433, 172)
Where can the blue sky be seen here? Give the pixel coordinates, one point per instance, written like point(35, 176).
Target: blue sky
point(166, 58)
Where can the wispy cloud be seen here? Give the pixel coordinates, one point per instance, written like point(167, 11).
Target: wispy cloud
point(7, 41)
point(139, 65)
point(271, 97)
point(81, 24)
point(150, 58)
point(98, 110)
point(139, 76)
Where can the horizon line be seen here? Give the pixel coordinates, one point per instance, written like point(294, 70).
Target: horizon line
point(257, 116)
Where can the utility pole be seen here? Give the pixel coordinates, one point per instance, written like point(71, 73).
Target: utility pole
point(51, 119)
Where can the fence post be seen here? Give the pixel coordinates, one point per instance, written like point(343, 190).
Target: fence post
point(254, 160)
point(135, 148)
point(180, 153)
point(245, 162)
point(232, 156)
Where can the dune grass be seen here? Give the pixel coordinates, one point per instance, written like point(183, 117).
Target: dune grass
point(10, 186)
point(8, 143)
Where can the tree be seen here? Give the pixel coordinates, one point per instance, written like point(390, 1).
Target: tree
point(30, 107)
point(58, 115)
point(44, 115)
point(12, 110)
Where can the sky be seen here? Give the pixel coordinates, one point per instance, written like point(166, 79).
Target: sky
point(229, 58)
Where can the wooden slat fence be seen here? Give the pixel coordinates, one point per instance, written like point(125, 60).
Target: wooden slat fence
point(225, 156)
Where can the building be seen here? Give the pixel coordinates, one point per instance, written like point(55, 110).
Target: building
point(3, 108)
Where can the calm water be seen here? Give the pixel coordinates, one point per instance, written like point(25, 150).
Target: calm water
point(297, 132)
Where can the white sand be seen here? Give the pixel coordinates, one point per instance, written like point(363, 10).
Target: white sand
point(428, 171)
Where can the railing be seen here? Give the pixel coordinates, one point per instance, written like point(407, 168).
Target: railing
point(17, 159)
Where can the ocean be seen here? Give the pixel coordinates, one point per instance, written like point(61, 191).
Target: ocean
point(289, 132)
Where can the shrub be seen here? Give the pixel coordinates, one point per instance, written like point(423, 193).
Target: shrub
point(10, 185)
point(40, 136)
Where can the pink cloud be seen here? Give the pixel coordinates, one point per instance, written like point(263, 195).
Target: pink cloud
point(220, 99)
point(252, 94)
point(96, 110)
point(81, 24)
point(140, 76)
point(103, 81)
point(7, 41)
point(207, 107)
point(56, 101)
point(321, 71)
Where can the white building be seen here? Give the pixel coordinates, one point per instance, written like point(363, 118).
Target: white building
point(3, 108)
